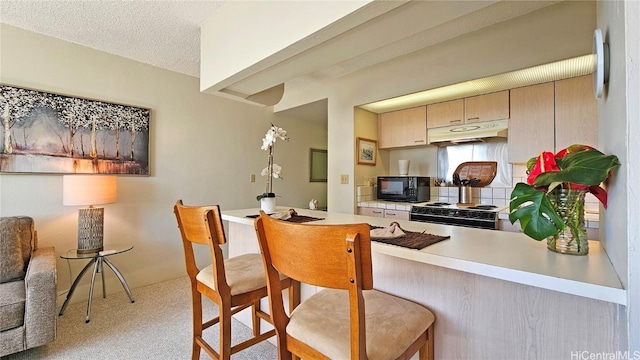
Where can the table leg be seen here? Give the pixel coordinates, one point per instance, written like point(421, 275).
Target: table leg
point(74, 285)
point(100, 270)
point(121, 278)
point(93, 280)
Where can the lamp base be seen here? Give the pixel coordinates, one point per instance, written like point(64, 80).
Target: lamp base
point(90, 230)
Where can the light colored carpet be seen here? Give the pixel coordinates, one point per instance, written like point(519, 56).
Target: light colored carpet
point(156, 326)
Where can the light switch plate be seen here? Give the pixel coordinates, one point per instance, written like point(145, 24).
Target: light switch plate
point(252, 178)
point(344, 179)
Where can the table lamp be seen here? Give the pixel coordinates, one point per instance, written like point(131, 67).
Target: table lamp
point(89, 190)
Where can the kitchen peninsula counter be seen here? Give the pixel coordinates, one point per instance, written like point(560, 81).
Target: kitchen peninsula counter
point(495, 294)
point(498, 254)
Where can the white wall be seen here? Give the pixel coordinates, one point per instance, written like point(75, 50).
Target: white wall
point(619, 127)
point(203, 149)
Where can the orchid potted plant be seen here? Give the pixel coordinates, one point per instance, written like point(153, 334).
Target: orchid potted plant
point(273, 170)
point(551, 204)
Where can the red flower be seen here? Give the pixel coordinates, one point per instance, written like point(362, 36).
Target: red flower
point(545, 162)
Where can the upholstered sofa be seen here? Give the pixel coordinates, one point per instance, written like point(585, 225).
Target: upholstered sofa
point(27, 287)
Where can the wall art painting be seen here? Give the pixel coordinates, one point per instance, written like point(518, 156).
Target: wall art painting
point(49, 133)
point(367, 150)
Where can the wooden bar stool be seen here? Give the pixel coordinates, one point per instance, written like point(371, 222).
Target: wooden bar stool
point(234, 284)
point(348, 319)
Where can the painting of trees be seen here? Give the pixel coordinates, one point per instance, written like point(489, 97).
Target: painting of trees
point(69, 134)
point(16, 103)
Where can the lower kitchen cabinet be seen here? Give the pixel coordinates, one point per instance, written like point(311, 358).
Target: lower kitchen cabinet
point(375, 212)
point(396, 214)
point(384, 213)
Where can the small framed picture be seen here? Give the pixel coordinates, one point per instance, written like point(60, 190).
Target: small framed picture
point(367, 151)
point(317, 165)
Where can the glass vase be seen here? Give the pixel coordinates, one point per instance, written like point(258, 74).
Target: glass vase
point(569, 205)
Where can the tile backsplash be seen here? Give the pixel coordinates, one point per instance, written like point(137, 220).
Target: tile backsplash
point(486, 195)
point(499, 196)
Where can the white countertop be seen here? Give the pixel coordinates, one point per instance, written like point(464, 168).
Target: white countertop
point(502, 255)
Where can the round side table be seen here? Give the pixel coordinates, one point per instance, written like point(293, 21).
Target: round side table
point(97, 259)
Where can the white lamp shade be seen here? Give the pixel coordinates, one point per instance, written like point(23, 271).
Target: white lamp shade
point(82, 190)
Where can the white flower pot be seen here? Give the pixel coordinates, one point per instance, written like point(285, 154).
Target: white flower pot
point(268, 204)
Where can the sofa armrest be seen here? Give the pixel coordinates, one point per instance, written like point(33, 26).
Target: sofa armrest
point(40, 305)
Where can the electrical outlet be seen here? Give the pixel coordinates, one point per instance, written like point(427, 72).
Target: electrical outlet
point(344, 179)
point(252, 178)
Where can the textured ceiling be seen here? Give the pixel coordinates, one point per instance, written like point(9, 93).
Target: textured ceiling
point(165, 34)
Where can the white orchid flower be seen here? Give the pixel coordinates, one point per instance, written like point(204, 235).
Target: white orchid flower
point(272, 135)
point(276, 171)
point(272, 170)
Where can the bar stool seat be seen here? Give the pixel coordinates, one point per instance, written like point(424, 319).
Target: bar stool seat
point(392, 323)
point(244, 274)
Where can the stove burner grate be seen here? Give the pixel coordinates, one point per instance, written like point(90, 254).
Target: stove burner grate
point(482, 207)
point(438, 204)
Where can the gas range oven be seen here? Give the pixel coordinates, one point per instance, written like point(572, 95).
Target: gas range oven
point(478, 216)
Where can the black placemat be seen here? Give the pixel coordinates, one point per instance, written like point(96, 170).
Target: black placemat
point(412, 239)
point(302, 219)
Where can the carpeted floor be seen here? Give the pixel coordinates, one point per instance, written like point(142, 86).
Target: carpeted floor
point(156, 326)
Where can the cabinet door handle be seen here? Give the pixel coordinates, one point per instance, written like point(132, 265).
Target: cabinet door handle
point(418, 141)
point(473, 118)
point(455, 121)
point(392, 214)
point(377, 212)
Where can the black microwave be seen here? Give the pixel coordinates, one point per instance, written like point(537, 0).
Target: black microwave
point(404, 188)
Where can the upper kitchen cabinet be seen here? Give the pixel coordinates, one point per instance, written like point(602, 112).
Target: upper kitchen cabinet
point(402, 128)
point(488, 107)
point(576, 112)
point(494, 106)
point(531, 126)
point(445, 113)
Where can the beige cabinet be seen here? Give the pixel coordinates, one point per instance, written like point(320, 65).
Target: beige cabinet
point(445, 113)
point(488, 107)
point(374, 212)
point(552, 116)
point(396, 214)
point(402, 128)
point(576, 112)
point(531, 126)
point(384, 213)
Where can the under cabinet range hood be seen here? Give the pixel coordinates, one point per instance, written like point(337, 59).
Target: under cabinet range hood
point(466, 133)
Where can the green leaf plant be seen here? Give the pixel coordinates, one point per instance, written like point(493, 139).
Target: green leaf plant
point(578, 167)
